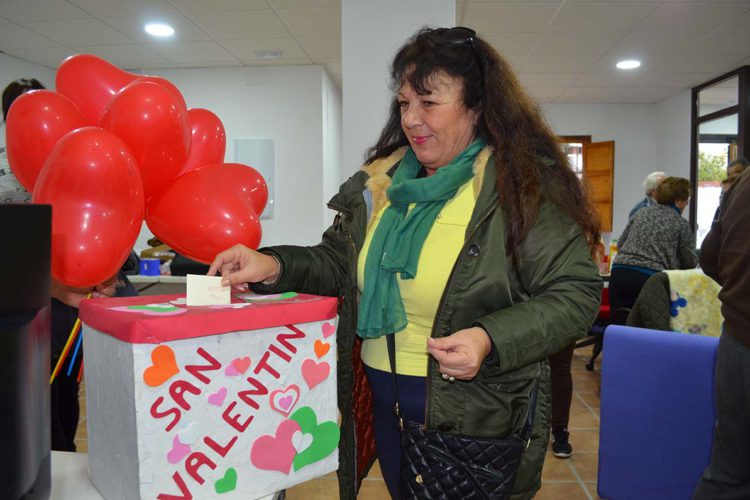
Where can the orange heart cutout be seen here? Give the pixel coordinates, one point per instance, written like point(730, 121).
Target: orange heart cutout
point(164, 366)
point(321, 348)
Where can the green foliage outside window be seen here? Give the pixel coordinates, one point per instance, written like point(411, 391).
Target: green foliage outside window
point(712, 167)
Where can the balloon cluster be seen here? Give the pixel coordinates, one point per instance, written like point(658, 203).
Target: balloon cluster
point(110, 148)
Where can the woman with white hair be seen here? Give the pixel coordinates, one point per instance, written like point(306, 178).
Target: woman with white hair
point(649, 186)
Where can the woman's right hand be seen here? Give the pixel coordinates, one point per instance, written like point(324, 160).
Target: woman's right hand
point(240, 264)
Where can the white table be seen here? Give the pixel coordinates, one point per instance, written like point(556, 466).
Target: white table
point(70, 478)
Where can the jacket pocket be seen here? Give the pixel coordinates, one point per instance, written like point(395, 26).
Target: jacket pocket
point(498, 409)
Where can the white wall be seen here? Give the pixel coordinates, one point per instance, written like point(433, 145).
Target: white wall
point(13, 69)
point(648, 137)
point(332, 169)
point(371, 33)
point(632, 127)
point(673, 135)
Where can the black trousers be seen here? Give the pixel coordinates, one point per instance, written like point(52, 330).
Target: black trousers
point(624, 286)
point(65, 410)
point(64, 407)
point(561, 382)
point(728, 474)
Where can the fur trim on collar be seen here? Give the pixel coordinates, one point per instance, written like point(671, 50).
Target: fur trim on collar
point(380, 181)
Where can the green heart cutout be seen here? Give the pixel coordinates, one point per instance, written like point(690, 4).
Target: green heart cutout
point(281, 296)
point(325, 437)
point(228, 482)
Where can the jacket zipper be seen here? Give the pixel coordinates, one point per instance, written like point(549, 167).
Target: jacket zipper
point(441, 305)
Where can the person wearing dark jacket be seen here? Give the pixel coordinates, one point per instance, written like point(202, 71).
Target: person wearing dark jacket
point(724, 256)
point(468, 239)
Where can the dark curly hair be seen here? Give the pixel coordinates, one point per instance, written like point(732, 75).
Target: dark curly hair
point(15, 89)
point(508, 120)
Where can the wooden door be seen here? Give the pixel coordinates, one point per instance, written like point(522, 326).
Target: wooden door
point(599, 176)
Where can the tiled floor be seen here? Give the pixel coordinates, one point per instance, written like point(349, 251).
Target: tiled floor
point(571, 479)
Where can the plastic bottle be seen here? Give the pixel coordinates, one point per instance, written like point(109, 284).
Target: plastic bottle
point(612, 253)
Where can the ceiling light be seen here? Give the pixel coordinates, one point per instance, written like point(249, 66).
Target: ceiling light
point(629, 64)
point(159, 29)
point(268, 54)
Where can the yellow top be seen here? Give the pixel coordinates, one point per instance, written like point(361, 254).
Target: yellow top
point(422, 294)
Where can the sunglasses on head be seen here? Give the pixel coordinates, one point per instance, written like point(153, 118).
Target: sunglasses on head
point(461, 35)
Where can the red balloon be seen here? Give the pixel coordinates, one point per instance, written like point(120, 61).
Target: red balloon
point(90, 82)
point(154, 125)
point(206, 211)
point(36, 121)
point(167, 85)
point(245, 182)
point(93, 184)
point(208, 141)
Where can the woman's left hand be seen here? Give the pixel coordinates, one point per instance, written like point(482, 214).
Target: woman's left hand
point(460, 355)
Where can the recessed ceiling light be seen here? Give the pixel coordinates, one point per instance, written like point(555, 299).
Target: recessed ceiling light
point(159, 29)
point(629, 64)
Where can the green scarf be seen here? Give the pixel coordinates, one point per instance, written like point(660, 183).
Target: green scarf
point(400, 235)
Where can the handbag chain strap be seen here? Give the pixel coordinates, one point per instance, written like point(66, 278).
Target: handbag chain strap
point(528, 425)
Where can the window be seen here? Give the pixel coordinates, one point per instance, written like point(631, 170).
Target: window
point(720, 134)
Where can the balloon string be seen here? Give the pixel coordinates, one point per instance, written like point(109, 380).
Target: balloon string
point(80, 373)
point(61, 361)
point(75, 354)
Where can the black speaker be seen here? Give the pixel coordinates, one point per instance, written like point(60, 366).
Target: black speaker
point(25, 351)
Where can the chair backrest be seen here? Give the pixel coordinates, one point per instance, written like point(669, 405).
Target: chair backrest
point(657, 413)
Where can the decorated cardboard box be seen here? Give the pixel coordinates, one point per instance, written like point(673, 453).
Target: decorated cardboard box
point(233, 401)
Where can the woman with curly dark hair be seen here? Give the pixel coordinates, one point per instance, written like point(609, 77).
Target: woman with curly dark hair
point(465, 238)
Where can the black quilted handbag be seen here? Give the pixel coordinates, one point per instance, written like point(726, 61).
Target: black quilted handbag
point(438, 465)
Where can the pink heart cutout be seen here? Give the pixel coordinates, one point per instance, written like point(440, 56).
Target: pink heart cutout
point(276, 452)
point(178, 451)
point(217, 398)
point(230, 370)
point(283, 400)
point(315, 373)
point(241, 364)
point(328, 329)
point(286, 402)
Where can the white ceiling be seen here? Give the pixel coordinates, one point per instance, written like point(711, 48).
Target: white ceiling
point(564, 50)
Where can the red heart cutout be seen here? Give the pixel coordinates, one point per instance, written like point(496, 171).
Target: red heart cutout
point(241, 364)
point(315, 373)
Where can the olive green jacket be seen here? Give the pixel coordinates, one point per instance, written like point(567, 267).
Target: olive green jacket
point(529, 312)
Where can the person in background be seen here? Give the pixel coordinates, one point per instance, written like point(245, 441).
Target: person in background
point(736, 167)
point(724, 256)
point(656, 239)
point(561, 384)
point(467, 238)
point(64, 406)
point(11, 190)
point(649, 185)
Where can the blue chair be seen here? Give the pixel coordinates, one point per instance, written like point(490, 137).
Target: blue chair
point(657, 413)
